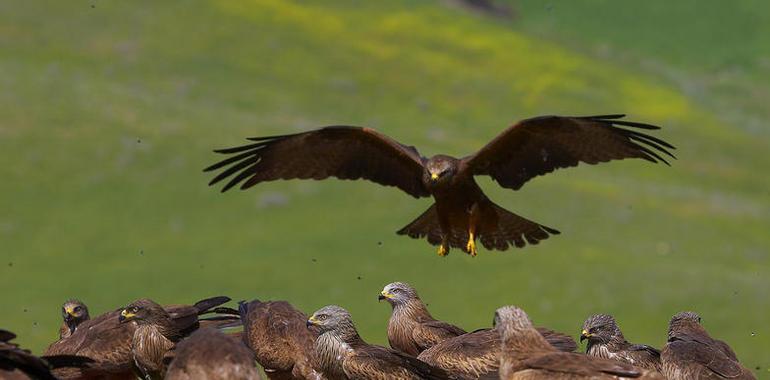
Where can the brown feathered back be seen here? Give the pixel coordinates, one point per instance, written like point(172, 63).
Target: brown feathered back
point(210, 354)
point(691, 353)
point(277, 334)
point(477, 354)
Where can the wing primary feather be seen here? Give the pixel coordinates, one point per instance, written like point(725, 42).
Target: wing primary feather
point(635, 124)
point(650, 138)
point(230, 160)
point(235, 168)
point(240, 177)
point(651, 155)
point(241, 148)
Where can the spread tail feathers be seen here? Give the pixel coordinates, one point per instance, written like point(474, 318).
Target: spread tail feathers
point(497, 229)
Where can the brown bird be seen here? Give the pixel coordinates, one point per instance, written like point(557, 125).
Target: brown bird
point(209, 354)
point(691, 353)
point(411, 328)
point(74, 312)
point(108, 342)
point(277, 334)
point(342, 354)
point(462, 213)
point(17, 363)
point(476, 355)
point(527, 355)
point(605, 340)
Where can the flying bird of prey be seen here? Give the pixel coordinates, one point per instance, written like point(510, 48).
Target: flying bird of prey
point(605, 340)
point(278, 335)
point(527, 355)
point(691, 353)
point(411, 328)
point(17, 363)
point(461, 213)
point(209, 354)
point(476, 355)
point(342, 354)
point(108, 342)
point(74, 312)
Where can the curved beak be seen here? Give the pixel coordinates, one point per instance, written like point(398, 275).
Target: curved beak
point(125, 316)
point(384, 296)
point(584, 335)
point(310, 321)
point(433, 176)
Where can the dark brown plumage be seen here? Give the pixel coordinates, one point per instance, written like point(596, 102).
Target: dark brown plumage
point(476, 355)
point(277, 334)
point(155, 335)
point(527, 355)
point(209, 354)
point(342, 354)
point(605, 340)
point(17, 363)
point(411, 328)
point(108, 342)
point(462, 213)
point(691, 353)
point(74, 312)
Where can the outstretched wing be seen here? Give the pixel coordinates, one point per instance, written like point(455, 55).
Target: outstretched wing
point(336, 151)
point(543, 144)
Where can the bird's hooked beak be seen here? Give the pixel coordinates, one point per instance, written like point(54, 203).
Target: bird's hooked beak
point(384, 296)
point(125, 316)
point(434, 176)
point(311, 321)
point(585, 335)
point(70, 312)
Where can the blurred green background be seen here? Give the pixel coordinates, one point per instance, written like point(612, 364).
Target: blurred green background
point(109, 111)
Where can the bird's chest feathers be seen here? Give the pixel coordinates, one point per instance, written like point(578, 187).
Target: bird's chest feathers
point(148, 346)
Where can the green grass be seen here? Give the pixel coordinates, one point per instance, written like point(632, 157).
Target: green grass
point(110, 113)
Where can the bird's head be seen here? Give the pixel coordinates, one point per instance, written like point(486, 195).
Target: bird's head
point(74, 312)
point(398, 293)
point(685, 321)
point(600, 328)
point(143, 311)
point(440, 169)
point(511, 319)
point(330, 318)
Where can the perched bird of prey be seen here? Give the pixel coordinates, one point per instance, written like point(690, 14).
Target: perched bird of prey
point(476, 355)
point(108, 342)
point(342, 354)
point(605, 340)
point(17, 363)
point(411, 328)
point(691, 353)
point(157, 331)
point(74, 312)
point(461, 213)
point(209, 354)
point(527, 355)
point(278, 335)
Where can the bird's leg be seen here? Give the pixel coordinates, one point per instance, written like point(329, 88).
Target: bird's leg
point(471, 247)
point(473, 214)
point(443, 249)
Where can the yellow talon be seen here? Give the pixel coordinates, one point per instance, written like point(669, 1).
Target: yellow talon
point(471, 247)
point(442, 250)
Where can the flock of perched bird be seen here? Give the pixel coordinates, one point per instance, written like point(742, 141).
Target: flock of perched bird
point(205, 341)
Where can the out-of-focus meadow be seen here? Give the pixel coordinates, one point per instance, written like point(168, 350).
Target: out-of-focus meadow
point(109, 111)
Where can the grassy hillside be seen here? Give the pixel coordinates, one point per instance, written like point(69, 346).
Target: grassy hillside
point(110, 110)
